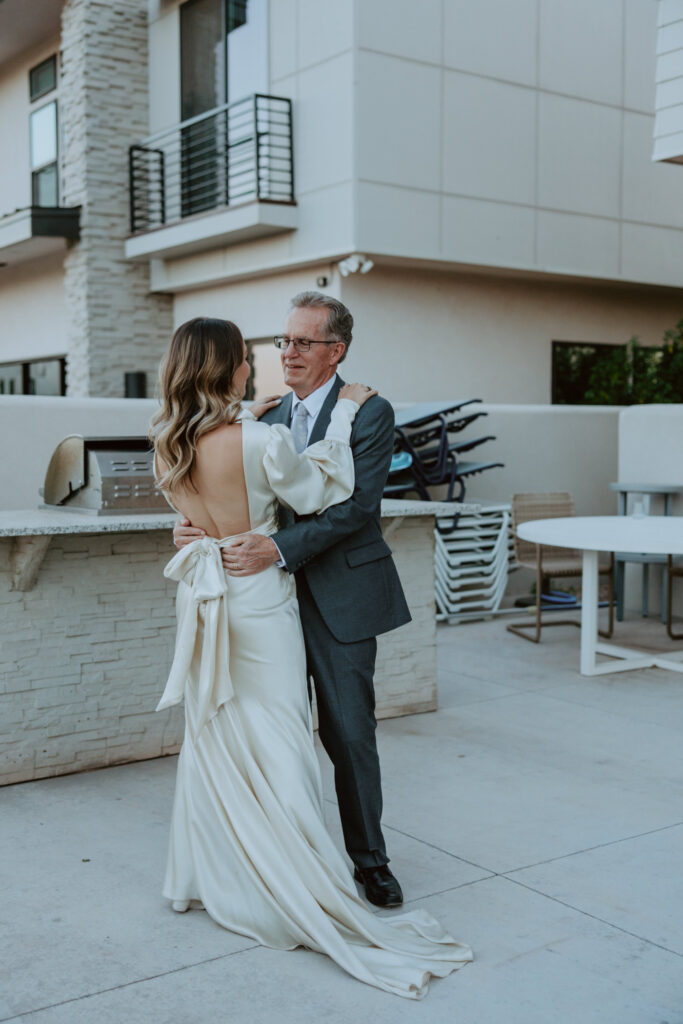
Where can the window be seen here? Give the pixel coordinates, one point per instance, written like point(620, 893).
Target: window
point(43, 135)
point(42, 78)
point(632, 374)
point(578, 366)
point(38, 377)
point(223, 57)
point(266, 369)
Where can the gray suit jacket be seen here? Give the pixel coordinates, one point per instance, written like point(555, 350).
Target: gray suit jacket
point(346, 561)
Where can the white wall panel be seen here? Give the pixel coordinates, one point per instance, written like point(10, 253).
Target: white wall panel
point(669, 120)
point(669, 10)
point(492, 37)
point(399, 221)
point(640, 39)
point(325, 29)
point(581, 48)
point(398, 121)
point(569, 241)
point(652, 254)
point(283, 39)
point(670, 149)
point(669, 66)
point(579, 163)
point(669, 93)
point(402, 27)
point(323, 124)
point(670, 37)
point(491, 234)
point(489, 136)
point(653, 192)
point(326, 222)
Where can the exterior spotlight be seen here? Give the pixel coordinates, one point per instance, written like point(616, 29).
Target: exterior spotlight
point(353, 263)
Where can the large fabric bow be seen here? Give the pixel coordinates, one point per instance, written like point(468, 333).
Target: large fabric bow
point(199, 566)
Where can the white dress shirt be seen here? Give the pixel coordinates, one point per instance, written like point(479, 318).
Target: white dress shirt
point(313, 403)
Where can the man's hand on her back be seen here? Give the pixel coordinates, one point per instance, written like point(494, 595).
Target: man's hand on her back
point(249, 554)
point(184, 533)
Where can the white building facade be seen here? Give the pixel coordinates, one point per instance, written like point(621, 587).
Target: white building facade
point(490, 162)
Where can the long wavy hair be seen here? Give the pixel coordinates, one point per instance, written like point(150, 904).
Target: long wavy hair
point(197, 394)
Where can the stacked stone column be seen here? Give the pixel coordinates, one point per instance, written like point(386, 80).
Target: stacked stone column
point(116, 325)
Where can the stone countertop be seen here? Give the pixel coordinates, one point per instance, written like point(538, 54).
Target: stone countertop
point(50, 522)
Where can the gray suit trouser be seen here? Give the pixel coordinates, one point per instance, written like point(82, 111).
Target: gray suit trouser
point(343, 679)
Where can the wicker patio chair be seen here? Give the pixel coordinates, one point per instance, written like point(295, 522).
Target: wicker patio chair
point(550, 562)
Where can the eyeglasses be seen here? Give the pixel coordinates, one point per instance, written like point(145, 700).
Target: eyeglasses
point(282, 342)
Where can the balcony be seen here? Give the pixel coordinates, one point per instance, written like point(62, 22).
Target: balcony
point(37, 231)
point(223, 177)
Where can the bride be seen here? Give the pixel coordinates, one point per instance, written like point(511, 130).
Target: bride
point(248, 840)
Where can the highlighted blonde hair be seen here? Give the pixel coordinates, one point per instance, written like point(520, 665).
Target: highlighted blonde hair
point(197, 394)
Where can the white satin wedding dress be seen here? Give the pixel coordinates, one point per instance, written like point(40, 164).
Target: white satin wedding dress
point(248, 837)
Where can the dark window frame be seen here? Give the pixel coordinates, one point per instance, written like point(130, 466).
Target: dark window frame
point(555, 381)
point(36, 172)
point(25, 367)
point(33, 96)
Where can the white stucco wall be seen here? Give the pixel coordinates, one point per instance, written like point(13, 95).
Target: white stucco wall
point(33, 317)
point(32, 427)
point(423, 336)
point(427, 336)
point(548, 448)
point(258, 306)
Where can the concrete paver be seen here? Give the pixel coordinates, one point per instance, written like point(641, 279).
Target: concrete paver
point(537, 814)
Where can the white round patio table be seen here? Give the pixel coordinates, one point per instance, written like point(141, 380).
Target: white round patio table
point(652, 535)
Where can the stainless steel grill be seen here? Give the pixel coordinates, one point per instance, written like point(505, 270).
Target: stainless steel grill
point(103, 476)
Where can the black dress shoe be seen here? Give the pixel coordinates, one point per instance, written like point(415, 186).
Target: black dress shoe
point(381, 888)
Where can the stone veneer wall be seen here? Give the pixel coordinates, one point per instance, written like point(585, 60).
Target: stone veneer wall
point(85, 654)
point(116, 325)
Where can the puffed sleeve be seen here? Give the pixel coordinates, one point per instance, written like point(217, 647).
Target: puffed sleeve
point(320, 476)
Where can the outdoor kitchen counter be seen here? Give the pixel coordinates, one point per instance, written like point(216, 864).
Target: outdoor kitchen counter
point(88, 626)
point(43, 522)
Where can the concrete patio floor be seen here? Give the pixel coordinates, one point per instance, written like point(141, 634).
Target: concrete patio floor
point(538, 814)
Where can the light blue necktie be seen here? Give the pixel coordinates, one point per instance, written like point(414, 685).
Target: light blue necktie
point(300, 427)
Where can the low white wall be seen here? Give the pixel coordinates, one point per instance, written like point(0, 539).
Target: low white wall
point(31, 428)
point(651, 452)
point(547, 448)
point(544, 447)
point(651, 445)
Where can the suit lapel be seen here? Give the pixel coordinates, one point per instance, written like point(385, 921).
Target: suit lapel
point(323, 419)
point(282, 413)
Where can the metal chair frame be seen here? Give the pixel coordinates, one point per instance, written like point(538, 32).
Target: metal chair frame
point(566, 564)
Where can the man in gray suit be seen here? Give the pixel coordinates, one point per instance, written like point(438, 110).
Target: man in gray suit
point(347, 585)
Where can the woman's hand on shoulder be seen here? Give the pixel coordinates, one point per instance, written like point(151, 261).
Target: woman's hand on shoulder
point(257, 409)
point(358, 393)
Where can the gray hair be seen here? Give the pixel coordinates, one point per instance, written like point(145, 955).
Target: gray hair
point(339, 320)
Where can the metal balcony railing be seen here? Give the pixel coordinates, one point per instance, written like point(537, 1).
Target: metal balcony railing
point(233, 154)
